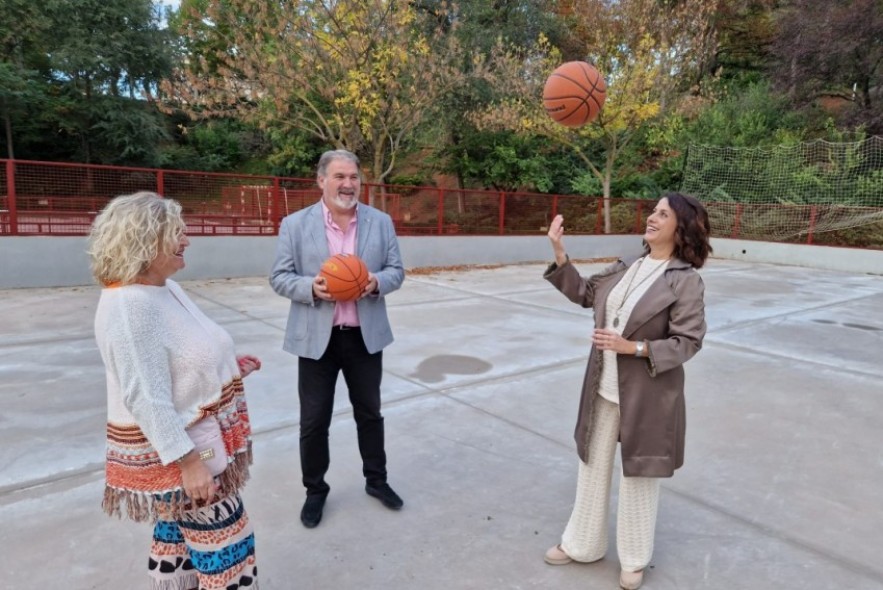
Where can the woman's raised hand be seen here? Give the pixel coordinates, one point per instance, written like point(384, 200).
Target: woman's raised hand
point(556, 233)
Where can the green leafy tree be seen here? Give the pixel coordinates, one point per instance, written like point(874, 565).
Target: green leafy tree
point(640, 46)
point(24, 27)
point(356, 74)
point(110, 55)
point(216, 145)
point(505, 161)
point(751, 115)
point(19, 90)
point(459, 147)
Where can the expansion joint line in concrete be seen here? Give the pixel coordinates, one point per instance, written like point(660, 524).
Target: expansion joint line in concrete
point(799, 312)
point(246, 317)
point(824, 553)
point(766, 353)
point(580, 312)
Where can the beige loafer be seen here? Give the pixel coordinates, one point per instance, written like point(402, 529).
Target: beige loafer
point(556, 556)
point(631, 580)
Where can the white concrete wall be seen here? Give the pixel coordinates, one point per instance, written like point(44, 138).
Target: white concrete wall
point(453, 250)
point(62, 261)
point(857, 260)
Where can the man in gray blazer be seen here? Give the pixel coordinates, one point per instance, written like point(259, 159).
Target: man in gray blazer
point(330, 337)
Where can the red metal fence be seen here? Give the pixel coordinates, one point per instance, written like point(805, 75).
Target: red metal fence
point(50, 198)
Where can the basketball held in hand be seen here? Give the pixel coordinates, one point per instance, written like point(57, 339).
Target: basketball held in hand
point(346, 276)
point(574, 93)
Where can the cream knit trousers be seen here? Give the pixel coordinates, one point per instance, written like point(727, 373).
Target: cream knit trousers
point(585, 537)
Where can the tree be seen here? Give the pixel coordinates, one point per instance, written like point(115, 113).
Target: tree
point(23, 28)
point(755, 116)
point(17, 90)
point(509, 162)
point(101, 51)
point(356, 74)
point(642, 47)
point(458, 147)
point(833, 49)
point(110, 46)
point(744, 31)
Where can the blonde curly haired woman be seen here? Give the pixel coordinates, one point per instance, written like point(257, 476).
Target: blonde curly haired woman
point(178, 433)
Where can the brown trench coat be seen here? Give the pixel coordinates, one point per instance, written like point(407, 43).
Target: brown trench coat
point(671, 318)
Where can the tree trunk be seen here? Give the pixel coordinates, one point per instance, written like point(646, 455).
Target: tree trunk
point(606, 185)
point(380, 173)
point(86, 130)
point(461, 182)
point(792, 81)
point(376, 172)
point(7, 125)
point(866, 91)
point(608, 174)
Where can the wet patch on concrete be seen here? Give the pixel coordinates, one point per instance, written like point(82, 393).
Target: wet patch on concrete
point(434, 369)
point(863, 327)
point(850, 325)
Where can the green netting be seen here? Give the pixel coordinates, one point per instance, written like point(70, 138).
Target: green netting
point(786, 191)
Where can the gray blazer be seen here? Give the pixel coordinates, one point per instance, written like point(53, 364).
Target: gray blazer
point(300, 252)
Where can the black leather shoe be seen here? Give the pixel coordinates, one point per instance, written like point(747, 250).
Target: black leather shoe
point(385, 494)
point(311, 513)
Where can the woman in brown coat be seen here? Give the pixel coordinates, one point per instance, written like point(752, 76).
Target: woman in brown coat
point(649, 320)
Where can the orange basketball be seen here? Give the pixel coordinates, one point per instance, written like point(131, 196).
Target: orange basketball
point(346, 276)
point(574, 93)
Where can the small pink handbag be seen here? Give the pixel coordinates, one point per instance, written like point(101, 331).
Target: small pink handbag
point(207, 439)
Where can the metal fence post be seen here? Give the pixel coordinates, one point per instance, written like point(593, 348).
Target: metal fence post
point(10, 182)
point(737, 221)
point(276, 211)
point(639, 217)
point(813, 217)
point(502, 213)
point(441, 210)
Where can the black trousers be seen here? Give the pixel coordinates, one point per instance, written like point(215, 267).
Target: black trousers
point(362, 372)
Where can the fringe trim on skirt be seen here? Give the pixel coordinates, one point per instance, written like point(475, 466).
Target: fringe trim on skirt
point(170, 504)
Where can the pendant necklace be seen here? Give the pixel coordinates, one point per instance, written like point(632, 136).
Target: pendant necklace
point(629, 290)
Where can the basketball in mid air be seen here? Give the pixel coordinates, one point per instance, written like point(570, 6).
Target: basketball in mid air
point(346, 276)
point(574, 93)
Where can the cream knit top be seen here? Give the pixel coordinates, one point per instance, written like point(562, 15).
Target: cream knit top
point(620, 303)
point(166, 363)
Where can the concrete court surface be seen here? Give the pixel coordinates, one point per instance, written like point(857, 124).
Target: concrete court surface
point(781, 486)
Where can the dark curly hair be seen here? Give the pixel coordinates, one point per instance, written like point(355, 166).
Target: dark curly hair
point(693, 231)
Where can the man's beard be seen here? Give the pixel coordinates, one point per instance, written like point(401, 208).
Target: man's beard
point(345, 202)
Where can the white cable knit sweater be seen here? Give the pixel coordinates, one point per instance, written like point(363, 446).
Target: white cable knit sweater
point(622, 299)
point(166, 363)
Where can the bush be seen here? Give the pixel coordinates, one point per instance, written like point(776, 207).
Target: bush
point(410, 180)
point(862, 236)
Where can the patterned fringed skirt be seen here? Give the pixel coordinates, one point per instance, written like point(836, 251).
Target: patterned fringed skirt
point(208, 548)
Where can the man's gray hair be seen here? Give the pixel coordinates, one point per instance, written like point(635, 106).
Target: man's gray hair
point(332, 155)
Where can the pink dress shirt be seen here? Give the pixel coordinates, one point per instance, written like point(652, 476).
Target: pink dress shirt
point(342, 241)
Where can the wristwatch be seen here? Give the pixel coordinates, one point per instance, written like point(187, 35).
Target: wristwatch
point(639, 348)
